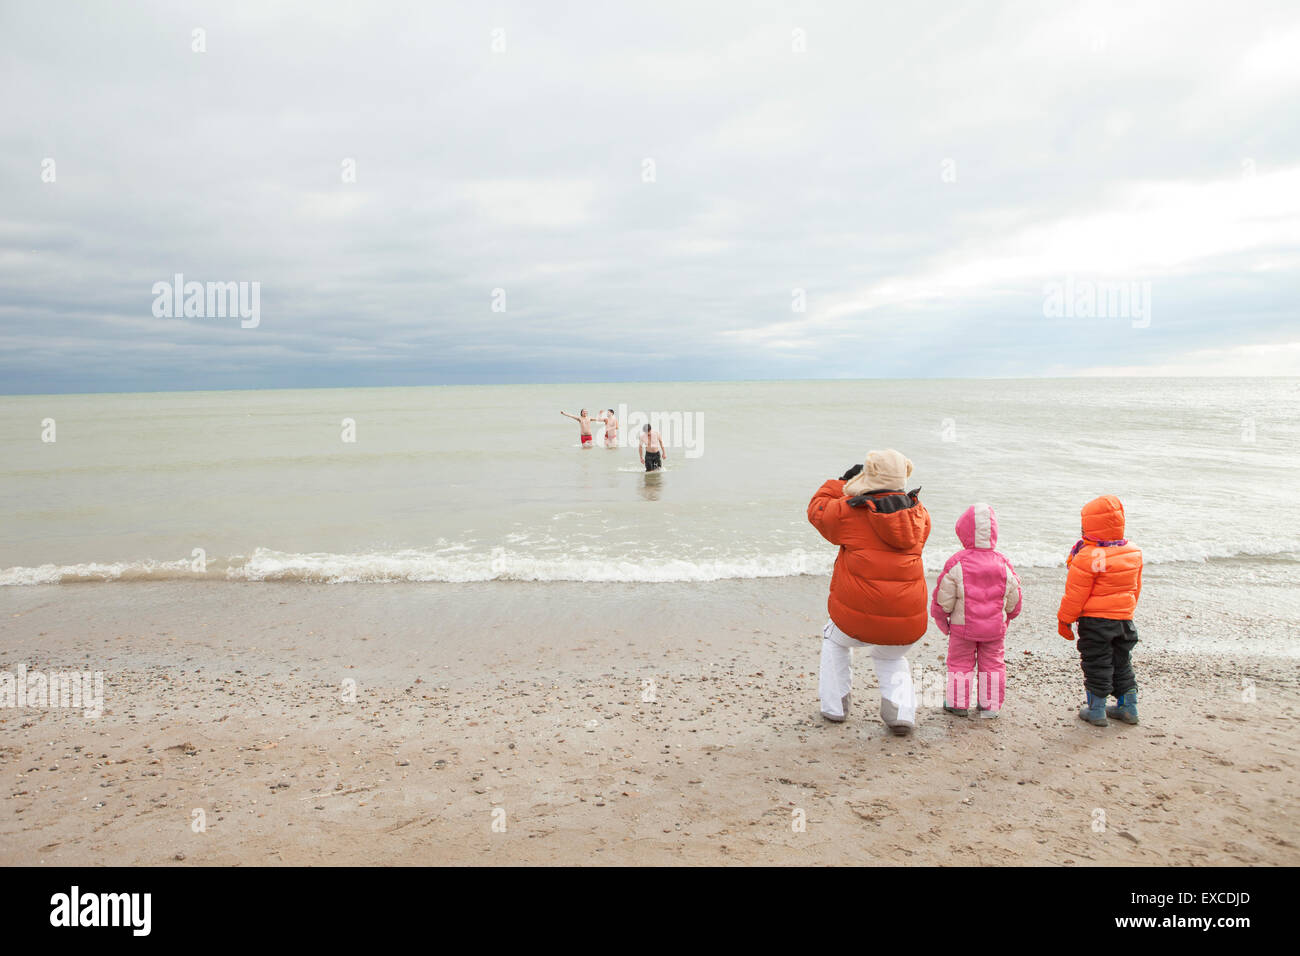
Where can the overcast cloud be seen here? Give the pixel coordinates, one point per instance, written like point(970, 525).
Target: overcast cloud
point(922, 172)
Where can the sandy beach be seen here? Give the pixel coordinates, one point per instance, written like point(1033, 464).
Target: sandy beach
point(675, 723)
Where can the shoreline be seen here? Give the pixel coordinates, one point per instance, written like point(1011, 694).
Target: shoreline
point(528, 700)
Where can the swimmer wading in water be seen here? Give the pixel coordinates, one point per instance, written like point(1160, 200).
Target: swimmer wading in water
point(584, 425)
point(651, 447)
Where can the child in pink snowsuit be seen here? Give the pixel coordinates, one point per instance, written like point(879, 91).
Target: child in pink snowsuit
point(976, 596)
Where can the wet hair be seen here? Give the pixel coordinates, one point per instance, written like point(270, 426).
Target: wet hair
point(582, 411)
point(646, 427)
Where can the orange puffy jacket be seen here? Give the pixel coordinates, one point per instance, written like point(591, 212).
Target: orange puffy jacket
point(878, 591)
point(1103, 581)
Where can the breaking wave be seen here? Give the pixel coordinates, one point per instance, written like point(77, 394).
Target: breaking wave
point(458, 565)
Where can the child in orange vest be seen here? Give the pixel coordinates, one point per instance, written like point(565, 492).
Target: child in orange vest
point(1101, 594)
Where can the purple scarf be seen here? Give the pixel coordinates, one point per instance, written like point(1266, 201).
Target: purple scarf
point(1084, 541)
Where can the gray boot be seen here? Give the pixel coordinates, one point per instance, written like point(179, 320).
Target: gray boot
point(1126, 707)
point(1094, 710)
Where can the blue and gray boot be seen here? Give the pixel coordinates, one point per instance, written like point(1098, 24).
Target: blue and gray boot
point(1126, 707)
point(1094, 710)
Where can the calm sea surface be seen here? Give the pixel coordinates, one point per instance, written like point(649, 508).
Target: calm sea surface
point(490, 483)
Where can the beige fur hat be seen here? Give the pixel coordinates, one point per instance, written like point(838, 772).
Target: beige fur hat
point(886, 470)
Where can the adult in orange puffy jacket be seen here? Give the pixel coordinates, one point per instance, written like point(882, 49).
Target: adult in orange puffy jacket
point(878, 590)
point(1102, 588)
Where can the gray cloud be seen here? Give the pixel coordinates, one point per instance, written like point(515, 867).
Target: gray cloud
point(1101, 142)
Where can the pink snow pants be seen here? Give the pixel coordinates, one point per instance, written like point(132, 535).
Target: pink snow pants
point(977, 671)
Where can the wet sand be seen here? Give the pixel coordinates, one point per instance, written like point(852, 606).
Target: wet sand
point(574, 724)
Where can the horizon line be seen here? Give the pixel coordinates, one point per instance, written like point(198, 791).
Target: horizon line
point(626, 382)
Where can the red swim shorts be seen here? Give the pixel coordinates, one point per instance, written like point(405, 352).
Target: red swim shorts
point(586, 439)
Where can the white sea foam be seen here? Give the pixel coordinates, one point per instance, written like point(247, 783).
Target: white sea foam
point(94, 571)
point(506, 565)
point(455, 563)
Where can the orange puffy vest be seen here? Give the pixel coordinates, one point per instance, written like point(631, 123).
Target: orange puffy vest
point(878, 591)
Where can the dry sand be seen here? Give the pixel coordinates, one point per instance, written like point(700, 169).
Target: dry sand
point(523, 704)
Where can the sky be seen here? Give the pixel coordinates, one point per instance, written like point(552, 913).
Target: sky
point(437, 193)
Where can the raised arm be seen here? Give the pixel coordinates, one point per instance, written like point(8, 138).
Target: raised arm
point(826, 510)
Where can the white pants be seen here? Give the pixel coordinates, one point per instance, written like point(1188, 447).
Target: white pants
point(892, 671)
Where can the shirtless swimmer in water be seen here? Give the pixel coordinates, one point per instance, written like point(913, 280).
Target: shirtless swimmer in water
point(611, 427)
point(584, 425)
point(651, 446)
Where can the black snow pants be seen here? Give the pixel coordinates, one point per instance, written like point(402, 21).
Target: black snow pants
point(1104, 650)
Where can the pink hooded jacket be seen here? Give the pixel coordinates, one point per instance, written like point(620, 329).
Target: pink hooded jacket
point(978, 592)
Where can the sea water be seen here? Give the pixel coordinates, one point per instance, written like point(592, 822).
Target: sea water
point(462, 484)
